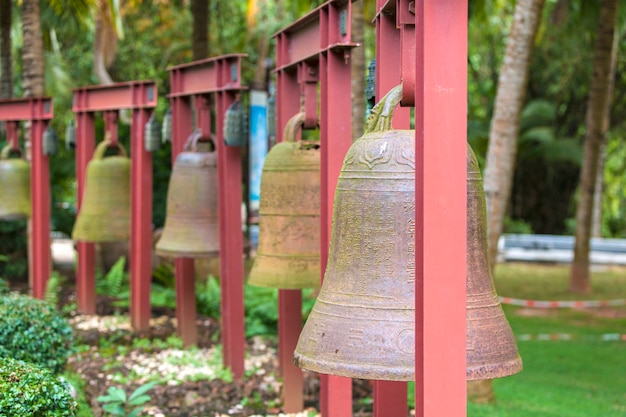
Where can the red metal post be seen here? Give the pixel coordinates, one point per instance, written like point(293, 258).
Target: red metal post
point(141, 97)
point(220, 76)
point(141, 216)
point(316, 47)
point(184, 267)
point(38, 111)
point(440, 209)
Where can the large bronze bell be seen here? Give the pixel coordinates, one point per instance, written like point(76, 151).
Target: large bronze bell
point(191, 228)
point(104, 214)
point(288, 254)
point(362, 324)
point(14, 186)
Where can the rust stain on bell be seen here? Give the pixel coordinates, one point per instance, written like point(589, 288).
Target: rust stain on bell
point(288, 253)
point(362, 324)
point(191, 227)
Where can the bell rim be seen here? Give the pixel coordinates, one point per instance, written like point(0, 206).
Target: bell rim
point(495, 370)
point(172, 253)
point(353, 369)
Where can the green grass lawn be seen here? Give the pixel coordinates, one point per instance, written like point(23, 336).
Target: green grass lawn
point(584, 377)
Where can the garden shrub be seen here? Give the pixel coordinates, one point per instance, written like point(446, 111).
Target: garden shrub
point(28, 390)
point(34, 331)
point(4, 286)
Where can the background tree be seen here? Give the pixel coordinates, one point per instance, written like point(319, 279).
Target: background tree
point(200, 39)
point(6, 61)
point(505, 125)
point(597, 123)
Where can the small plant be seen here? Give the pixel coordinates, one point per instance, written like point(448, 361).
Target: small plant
point(53, 287)
point(117, 403)
point(113, 282)
point(34, 331)
point(28, 390)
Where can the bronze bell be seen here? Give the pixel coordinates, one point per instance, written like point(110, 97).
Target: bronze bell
point(14, 185)
point(288, 253)
point(191, 228)
point(362, 324)
point(104, 214)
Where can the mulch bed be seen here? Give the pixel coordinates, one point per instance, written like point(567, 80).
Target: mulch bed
point(257, 394)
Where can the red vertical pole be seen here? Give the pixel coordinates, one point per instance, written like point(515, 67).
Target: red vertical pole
point(440, 209)
point(40, 197)
point(336, 137)
point(231, 241)
point(289, 301)
point(85, 278)
point(289, 328)
point(141, 220)
point(184, 267)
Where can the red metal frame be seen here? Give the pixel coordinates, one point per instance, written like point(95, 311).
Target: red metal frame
point(141, 98)
point(440, 209)
point(315, 50)
point(38, 111)
point(197, 81)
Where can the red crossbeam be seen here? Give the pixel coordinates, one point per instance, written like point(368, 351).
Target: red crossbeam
point(315, 50)
point(191, 86)
point(127, 95)
point(26, 109)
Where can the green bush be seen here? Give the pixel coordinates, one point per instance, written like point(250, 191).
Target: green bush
point(34, 331)
point(28, 390)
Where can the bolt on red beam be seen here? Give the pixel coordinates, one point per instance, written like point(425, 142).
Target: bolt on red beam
point(317, 45)
point(38, 111)
point(221, 77)
point(440, 209)
point(141, 98)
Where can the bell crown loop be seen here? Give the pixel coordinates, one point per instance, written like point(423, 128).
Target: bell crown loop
point(7, 150)
point(381, 116)
point(106, 143)
point(191, 144)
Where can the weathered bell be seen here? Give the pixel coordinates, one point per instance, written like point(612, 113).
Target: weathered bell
point(288, 254)
point(362, 324)
point(50, 141)
point(236, 125)
point(14, 186)
point(70, 136)
point(191, 228)
point(166, 128)
point(490, 343)
point(152, 135)
point(104, 214)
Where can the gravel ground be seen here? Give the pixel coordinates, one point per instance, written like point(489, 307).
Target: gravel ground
point(191, 380)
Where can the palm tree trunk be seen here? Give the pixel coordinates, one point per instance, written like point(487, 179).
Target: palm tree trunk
point(596, 218)
point(597, 121)
point(505, 124)
point(200, 39)
point(503, 138)
point(32, 50)
point(6, 62)
point(358, 70)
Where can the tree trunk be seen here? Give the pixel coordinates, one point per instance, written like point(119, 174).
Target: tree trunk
point(105, 43)
point(597, 121)
point(505, 124)
point(32, 50)
point(358, 70)
point(200, 38)
point(6, 61)
point(596, 219)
